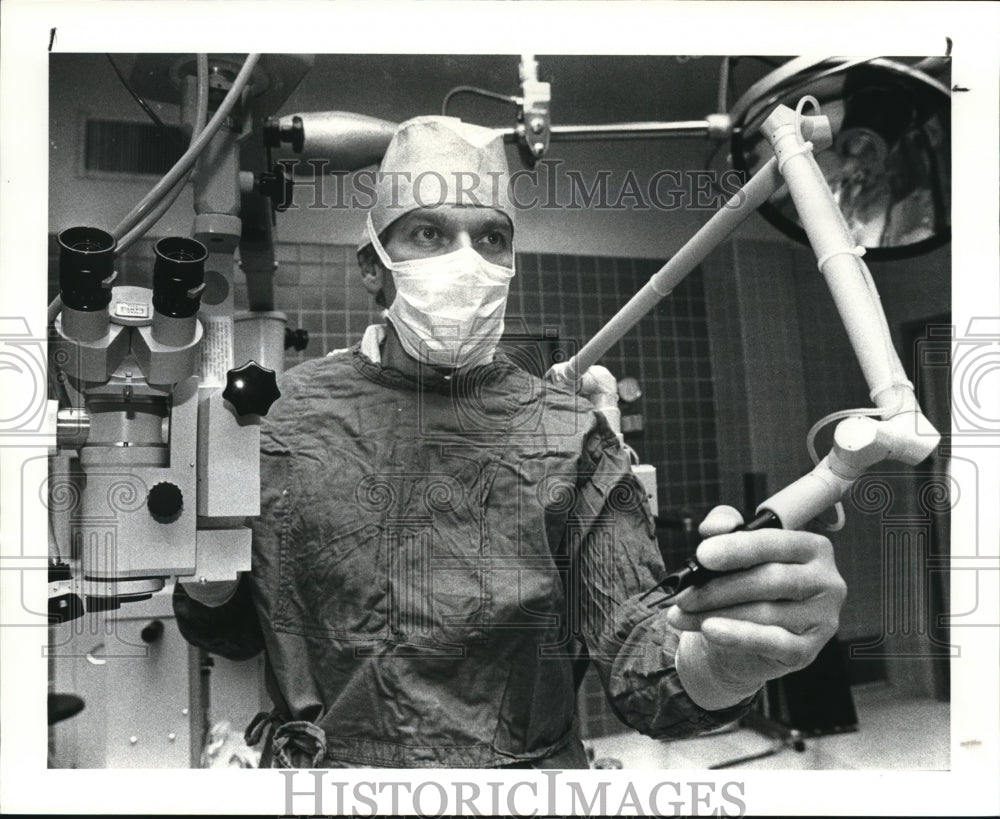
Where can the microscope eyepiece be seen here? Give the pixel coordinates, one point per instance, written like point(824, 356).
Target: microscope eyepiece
point(178, 276)
point(86, 263)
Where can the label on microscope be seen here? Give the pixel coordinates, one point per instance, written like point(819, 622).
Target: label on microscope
point(216, 350)
point(125, 309)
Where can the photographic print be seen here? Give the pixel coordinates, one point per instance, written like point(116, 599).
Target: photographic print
point(459, 419)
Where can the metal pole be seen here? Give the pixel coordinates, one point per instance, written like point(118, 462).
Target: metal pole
point(626, 130)
point(726, 220)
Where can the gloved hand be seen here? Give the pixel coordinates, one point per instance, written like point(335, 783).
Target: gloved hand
point(599, 386)
point(769, 618)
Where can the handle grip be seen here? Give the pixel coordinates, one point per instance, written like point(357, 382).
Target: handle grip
point(694, 574)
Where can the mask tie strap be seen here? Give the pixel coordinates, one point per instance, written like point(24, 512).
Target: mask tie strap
point(379, 250)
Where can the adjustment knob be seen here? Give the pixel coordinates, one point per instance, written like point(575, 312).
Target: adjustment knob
point(277, 185)
point(165, 502)
point(251, 389)
point(152, 631)
point(299, 339)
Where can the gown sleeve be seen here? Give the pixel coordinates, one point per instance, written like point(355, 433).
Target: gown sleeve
point(616, 559)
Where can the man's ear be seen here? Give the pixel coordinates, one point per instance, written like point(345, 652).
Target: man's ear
point(372, 272)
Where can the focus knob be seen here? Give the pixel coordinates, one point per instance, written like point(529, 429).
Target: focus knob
point(165, 502)
point(251, 389)
point(152, 631)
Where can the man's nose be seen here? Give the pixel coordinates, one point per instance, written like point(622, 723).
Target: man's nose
point(462, 240)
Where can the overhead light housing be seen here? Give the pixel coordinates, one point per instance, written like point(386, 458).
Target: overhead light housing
point(890, 164)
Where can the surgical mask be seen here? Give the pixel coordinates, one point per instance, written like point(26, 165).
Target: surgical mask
point(449, 309)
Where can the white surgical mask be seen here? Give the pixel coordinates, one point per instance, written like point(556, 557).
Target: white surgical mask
point(449, 309)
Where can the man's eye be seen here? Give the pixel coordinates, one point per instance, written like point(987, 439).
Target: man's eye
point(495, 239)
point(427, 233)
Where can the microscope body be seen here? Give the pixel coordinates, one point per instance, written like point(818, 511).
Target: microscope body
point(163, 465)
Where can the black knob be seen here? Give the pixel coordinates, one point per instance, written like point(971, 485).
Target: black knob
point(299, 339)
point(278, 186)
point(152, 631)
point(251, 389)
point(165, 502)
point(296, 136)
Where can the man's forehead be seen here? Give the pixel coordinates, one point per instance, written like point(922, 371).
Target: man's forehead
point(459, 216)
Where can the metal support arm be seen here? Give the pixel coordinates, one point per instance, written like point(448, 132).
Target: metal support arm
point(904, 433)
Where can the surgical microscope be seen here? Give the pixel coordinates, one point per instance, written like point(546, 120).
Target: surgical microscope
point(161, 386)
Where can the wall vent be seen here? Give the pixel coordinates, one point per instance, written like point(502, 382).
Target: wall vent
point(131, 147)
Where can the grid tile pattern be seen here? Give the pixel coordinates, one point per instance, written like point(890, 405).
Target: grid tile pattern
point(667, 352)
point(319, 288)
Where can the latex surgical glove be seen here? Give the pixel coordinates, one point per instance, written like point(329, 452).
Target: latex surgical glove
point(771, 616)
point(598, 385)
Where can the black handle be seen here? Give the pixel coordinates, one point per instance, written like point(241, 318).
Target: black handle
point(251, 389)
point(694, 574)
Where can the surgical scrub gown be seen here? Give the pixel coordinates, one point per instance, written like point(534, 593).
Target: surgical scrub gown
point(429, 558)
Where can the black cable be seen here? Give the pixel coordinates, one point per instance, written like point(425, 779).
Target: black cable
point(731, 763)
point(471, 89)
point(793, 739)
point(160, 124)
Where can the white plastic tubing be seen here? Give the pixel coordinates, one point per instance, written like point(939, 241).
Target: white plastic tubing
point(186, 162)
point(839, 261)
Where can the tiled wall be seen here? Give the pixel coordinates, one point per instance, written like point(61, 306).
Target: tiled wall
point(667, 352)
point(319, 288)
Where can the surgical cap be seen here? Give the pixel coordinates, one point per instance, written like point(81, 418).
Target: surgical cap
point(434, 161)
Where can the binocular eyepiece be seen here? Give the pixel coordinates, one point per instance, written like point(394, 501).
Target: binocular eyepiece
point(86, 267)
point(178, 276)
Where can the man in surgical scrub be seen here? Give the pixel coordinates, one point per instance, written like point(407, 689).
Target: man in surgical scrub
point(441, 531)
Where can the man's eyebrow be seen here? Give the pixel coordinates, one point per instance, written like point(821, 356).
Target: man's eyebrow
point(442, 218)
point(424, 215)
point(497, 222)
